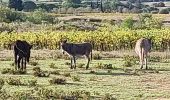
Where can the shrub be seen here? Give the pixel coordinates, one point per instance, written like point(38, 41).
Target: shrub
point(108, 66)
point(92, 71)
point(33, 63)
point(5, 70)
point(38, 17)
point(66, 74)
point(97, 56)
point(37, 72)
point(154, 59)
point(57, 81)
point(80, 65)
point(7, 15)
point(128, 23)
point(55, 72)
point(164, 11)
point(108, 97)
point(29, 6)
point(14, 81)
point(32, 82)
point(129, 61)
point(99, 65)
point(52, 65)
point(76, 78)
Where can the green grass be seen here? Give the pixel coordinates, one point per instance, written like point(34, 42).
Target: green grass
point(117, 82)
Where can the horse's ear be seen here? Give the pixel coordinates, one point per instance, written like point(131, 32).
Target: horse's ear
point(65, 41)
point(30, 46)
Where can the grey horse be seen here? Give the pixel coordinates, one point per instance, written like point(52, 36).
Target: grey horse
point(75, 50)
point(142, 47)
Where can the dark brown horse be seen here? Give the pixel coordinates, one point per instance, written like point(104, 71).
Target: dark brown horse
point(143, 46)
point(22, 50)
point(75, 50)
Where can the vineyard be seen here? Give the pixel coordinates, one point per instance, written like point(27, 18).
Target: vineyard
point(104, 39)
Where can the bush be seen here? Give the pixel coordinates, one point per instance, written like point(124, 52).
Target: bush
point(66, 74)
point(14, 81)
point(129, 61)
point(32, 82)
point(29, 6)
point(52, 65)
point(97, 56)
point(76, 78)
point(37, 72)
point(128, 23)
point(7, 15)
point(55, 72)
point(108, 97)
point(164, 11)
point(38, 17)
point(57, 81)
point(33, 63)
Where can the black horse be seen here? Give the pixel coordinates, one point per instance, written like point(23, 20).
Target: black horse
point(22, 50)
point(75, 50)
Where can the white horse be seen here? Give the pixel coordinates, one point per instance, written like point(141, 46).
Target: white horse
point(142, 47)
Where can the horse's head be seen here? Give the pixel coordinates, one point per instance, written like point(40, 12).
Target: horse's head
point(62, 45)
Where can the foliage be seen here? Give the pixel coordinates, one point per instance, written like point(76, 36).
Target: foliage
point(164, 11)
point(129, 61)
point(71, 3)
point(128, 23)
point(7, 15)
point(16, 4)
point(38, 17)
point(29, 6)
point(76, 78)
point(14, 81)
point(47, 7)
point(57, 81)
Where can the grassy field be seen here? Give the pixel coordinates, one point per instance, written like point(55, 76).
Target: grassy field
point(118, 82)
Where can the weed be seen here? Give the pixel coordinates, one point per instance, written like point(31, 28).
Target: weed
point(14, 81)
point(76, 78)
point(92, 71)
point(80, 65)
point(32, 82)
point(33, 63)
point(52, 65)
point(129, 61)
point(97, 56)
point(108, 97)
point(37, 72)
point(67, 74)
point(55, 72)
point(57, 81)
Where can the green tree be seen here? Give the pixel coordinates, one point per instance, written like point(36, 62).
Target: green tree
point(16, 4)
point(29, 6)
point(71, 3)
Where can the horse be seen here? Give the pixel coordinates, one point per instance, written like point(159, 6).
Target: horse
point(142, 48)
point(75, 50)
point(22, 50)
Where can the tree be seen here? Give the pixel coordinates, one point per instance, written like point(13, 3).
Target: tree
point(16, 4)
point(71, 3)
point(29, 6)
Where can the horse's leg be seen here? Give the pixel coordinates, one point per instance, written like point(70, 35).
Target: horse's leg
point(141, 61)
point(22, 63)
point(87, 66)
point(25, 64)
point(74, 58)
point(146, 65)
point(15, 62)
point(19, 59)
point(71, 62)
